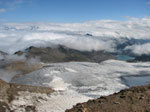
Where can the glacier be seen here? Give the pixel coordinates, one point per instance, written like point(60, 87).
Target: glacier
point(76, 82)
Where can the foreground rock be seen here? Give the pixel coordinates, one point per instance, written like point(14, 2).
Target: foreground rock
point(135, 99)
point(9, 91)
point(64, 54)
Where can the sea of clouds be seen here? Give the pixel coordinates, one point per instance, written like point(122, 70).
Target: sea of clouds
point(105, 35)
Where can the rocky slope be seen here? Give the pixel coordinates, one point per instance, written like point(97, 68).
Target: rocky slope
point(11, 68)
point(63, 54)
point(9, 91)
point(135, 99)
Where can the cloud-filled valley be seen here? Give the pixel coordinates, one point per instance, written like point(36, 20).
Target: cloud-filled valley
point(104, 35)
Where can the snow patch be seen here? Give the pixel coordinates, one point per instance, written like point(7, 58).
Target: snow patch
point(57, 83)
point(55, 102)
point(70, 70)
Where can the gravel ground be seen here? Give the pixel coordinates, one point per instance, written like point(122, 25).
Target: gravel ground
point(135, 99)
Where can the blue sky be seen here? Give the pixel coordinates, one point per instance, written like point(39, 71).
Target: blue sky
point(71, 10)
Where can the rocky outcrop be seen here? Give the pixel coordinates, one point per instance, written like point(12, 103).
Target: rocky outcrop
point(135, 99)
point(9, 90)
point(4, 107)
point(64, 54)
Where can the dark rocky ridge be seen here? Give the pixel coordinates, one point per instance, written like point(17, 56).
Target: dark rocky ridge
point(135, 99)
point(142, 58)
point(64, 54)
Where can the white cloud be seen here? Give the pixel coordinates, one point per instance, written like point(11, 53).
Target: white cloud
point(18, 36)
point(2, 10)
point(140, 49)
point(148, 3)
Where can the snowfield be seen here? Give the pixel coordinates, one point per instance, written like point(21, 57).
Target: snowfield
point(76, 82)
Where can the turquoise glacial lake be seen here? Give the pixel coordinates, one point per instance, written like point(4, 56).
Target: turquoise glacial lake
point(124, 57)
